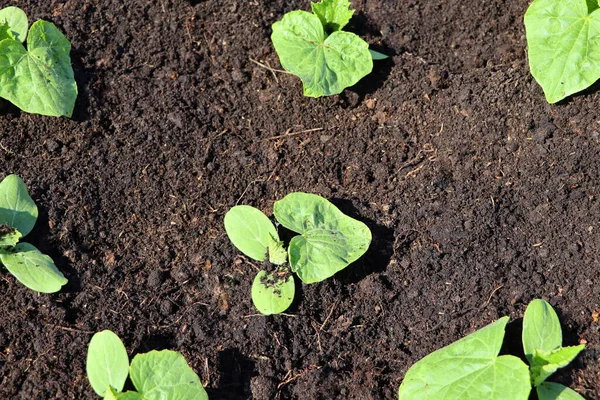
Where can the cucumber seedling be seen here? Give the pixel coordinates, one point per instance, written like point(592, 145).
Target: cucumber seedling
point(471, 369)
point(37, 79)
point(313, 47)
point(157, 375)
point(18, 214)
point(328, 242)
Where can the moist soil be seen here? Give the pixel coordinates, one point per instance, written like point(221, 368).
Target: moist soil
point(480, 196)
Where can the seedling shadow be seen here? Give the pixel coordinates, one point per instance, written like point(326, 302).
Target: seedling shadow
point(235, 372)
point(363, 27)
point(380, 251)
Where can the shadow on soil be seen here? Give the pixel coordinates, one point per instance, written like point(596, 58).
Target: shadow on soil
point(233, 367)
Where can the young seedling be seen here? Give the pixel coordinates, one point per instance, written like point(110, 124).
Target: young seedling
point(542, 343)
point(328, 242)
point(157, 375)
point(18, 214)
point(563, 37)
point(38, 79)
point(313, 47)
point(471, 369)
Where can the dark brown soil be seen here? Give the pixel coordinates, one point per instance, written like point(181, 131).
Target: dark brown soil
point(480, 195)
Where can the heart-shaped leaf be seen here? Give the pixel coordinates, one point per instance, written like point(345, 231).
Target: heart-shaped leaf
point(564, 46)
point(17, 209)
point(469, 369)
point(17, 23)
point(32, 268)
point(40, 79)
point(107, 364)
point(326, 65)
point(161, 375)
point(271, 294)
point(329, 241)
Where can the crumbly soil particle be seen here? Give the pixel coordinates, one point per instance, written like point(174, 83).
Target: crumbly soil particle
point(480, 196)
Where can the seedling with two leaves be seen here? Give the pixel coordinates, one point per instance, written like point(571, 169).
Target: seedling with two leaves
point(38, 79)
point(471, 369)
point(313, 47)
point(328, 242)
point(18, 214)
point(157, 375)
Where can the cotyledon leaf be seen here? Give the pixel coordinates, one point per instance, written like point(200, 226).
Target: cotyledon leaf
point(329, 240)
point(32, 268)
point(563, 39)
point(271, 295)
point(161, 375)
point(325, 64)
point(107, 364)
point(541, 329)
point(17, 209)
point(39, 79)
point(556, 391)
point(17, 22)
point(253, 234)
point(469, 369)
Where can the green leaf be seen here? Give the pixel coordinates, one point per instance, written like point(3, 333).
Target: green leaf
point(130, 396)
point(17, 209)
point(329, 241)
point(9, 236)
point(326, 65)
point(161, 375)
point(541, 329)
point(32, 268)
point(40, 79)
point(253, 234)
point(469, 369)
point(107, 364)
point(545, 363)
point(375, 55)
point(272, 295)
point(556, 391)
point(333, 14)
point(564, 46)
point(17, 23)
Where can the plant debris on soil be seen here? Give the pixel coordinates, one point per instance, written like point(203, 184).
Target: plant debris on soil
point(480, 197)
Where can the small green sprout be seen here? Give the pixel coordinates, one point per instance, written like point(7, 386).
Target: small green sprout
point(18, 214)
point(328, 242)
point(563, 37)
point(38, 79)
point(471, 369)
point(157, 375)
point(314, 48)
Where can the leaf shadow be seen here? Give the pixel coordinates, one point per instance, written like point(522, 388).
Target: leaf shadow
point(235, 372)
point(380, 251)
point(366, 29)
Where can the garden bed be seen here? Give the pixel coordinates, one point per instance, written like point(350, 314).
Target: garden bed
point(480, 196)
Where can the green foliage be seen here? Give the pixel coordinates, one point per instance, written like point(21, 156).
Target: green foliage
point(107, 364)
point(314, 48)
point(542, 343)
point(328, 242)
point(470, 369)
point(563, 37)
point(18, 214)
point(271, 294)
point(38, 79)
point(157, 375)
